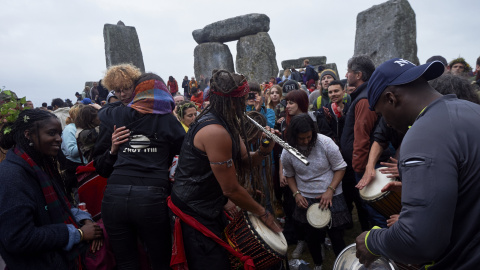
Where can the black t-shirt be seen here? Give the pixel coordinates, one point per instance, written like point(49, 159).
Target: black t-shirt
point(154, 140)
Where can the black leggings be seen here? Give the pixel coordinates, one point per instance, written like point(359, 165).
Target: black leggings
point(315, 237)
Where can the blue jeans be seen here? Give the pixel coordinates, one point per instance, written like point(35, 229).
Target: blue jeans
point(132, 212)
point(375, 218)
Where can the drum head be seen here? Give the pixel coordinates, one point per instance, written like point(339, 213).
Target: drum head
point(274, 240)
point(373, 190)
point(317, 217)
point(347, 260)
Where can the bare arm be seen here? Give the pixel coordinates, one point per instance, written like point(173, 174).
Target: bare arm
point(215, 141)
point(327, 196)
point(299, 199)
point(375, 153)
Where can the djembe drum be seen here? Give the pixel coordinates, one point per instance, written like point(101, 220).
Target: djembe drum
point(317, 217)
point(248, 235)
point(386, 203)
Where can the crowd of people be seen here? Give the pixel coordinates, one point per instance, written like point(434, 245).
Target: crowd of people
point(178, 168)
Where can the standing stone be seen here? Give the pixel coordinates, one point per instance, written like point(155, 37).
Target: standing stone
point(89, 84)
point(210, 56)
point(386, 31)
point(122, 45)
point(298, 63)
point(256, 57)
point(233, 28)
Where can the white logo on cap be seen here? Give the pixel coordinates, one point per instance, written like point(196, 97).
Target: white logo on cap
point(403, 62)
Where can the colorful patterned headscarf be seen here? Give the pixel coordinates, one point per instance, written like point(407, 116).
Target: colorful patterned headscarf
point(152, 96)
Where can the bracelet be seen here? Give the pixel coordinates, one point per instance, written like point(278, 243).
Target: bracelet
point(330, 187)
point(295, 194)
point(81, 234)
point(264, 215)
point(262, 153)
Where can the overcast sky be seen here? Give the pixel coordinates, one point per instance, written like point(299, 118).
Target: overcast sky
point(50, 48)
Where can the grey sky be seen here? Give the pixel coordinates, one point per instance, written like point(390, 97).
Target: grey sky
point(49, 48)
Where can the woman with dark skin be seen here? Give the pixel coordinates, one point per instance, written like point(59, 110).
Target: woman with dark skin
point(39, 229)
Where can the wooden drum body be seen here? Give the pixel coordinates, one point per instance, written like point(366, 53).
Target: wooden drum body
point(386, 203)
point(248, 235)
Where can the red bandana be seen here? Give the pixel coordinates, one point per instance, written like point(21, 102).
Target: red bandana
point(241, 91)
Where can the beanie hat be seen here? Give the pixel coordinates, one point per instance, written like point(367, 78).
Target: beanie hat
point(290, 85)
point(329, 72)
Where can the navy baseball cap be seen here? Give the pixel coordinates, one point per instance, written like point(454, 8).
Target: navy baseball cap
point(398, 71)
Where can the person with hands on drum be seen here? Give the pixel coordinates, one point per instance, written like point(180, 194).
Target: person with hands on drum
point(438, 165)
point(212, 160)
point(320, 182)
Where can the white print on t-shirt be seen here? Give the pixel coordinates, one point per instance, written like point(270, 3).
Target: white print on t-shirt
point(139, 141)
point(144, 150)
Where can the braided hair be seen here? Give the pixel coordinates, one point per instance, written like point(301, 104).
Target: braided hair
point(13, 134)
point(231, 110)
point(255, 182)
point(182, 107)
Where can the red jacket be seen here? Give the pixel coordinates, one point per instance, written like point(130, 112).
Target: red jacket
point(172, 86)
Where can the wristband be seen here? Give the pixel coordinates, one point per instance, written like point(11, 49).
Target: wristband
point(262, 153)
point(330, 187)
point(366, 236)
point(295, 194)
point(81, 234)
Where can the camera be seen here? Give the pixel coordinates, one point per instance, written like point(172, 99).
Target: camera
point(251, 95)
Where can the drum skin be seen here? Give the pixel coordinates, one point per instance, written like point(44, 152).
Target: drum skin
point(318, 218)
point(248, 235)
point(386, 203)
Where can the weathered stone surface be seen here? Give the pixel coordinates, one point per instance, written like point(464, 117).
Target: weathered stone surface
point(256, 57)
point(210, 56)
point(386, 31)
point(89, 84)
point(233, 28)
point(122, 45)
point(298, 63)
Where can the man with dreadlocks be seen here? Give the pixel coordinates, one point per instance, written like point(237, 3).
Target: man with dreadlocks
point(212, 158)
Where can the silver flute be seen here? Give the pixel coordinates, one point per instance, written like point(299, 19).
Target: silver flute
point(282, 143)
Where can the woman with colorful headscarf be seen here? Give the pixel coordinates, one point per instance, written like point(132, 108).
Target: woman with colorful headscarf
point(134, 203)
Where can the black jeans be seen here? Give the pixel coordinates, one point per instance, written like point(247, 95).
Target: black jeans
point(131, 212)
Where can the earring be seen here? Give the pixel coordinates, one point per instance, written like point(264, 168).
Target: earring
point(30, 144)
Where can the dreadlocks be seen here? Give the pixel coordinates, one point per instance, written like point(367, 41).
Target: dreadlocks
point(14, 135)
point(255, 181)
point(229, 107)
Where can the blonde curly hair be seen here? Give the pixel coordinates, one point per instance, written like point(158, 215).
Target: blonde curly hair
point(121, 76)
point(73, 113)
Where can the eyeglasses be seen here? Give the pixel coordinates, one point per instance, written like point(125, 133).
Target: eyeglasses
point(120, 91)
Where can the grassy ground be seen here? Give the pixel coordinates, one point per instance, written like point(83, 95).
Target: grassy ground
point(329, 259)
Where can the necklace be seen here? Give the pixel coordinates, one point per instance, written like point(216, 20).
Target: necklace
point(418, 116)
